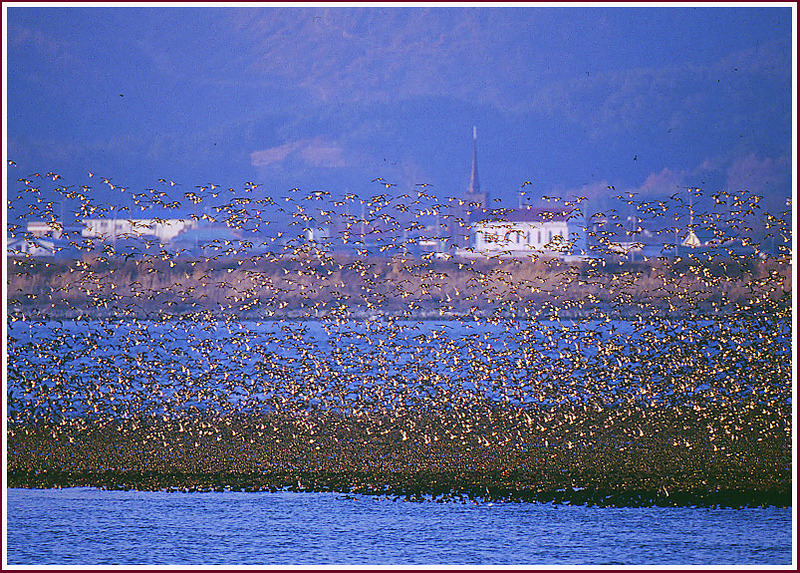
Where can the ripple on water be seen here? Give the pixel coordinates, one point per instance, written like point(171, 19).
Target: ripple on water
point(84, 526)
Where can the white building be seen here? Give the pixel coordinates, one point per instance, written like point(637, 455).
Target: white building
point(32, 247)
point(317, 234)
point(163, 229)
point(524, 232)
point(45, 229)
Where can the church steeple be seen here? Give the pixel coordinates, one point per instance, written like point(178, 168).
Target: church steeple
point(474, 184)
point(463, 212)
point(474, 194)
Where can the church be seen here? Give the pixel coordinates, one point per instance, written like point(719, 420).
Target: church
point(522, 232)
point(479, 231)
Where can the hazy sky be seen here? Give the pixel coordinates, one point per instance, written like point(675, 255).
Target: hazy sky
point(573, 99)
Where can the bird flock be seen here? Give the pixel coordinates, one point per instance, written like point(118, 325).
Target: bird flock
point(266, 360)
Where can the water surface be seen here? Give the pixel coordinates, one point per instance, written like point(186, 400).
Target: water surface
point(85, 526)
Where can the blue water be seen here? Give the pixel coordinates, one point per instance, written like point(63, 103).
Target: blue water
point(68, 368)
point(121, 369)
point(84, 526)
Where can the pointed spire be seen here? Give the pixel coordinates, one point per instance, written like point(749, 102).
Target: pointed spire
point(474, 184)
point(464, 212)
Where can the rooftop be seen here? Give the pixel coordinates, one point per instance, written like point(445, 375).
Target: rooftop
point(527, 215)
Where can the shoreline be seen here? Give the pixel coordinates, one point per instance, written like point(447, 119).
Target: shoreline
point(413, 487)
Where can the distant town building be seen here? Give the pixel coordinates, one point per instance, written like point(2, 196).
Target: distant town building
point(691, 240)
point(33, 247)
point(107, 229)
point(52, 230)
point(52, 238)
point(463, 212)
point(46, 247)
point(207, 240)
point(44, 229)
point(111, 229)
point(475, 198)
point(523, 232)
point(319, 235)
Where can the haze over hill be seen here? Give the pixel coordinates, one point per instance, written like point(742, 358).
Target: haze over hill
point(574, 100)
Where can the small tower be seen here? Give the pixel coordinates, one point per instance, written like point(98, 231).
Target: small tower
point(474, 194)
point(463, 212)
